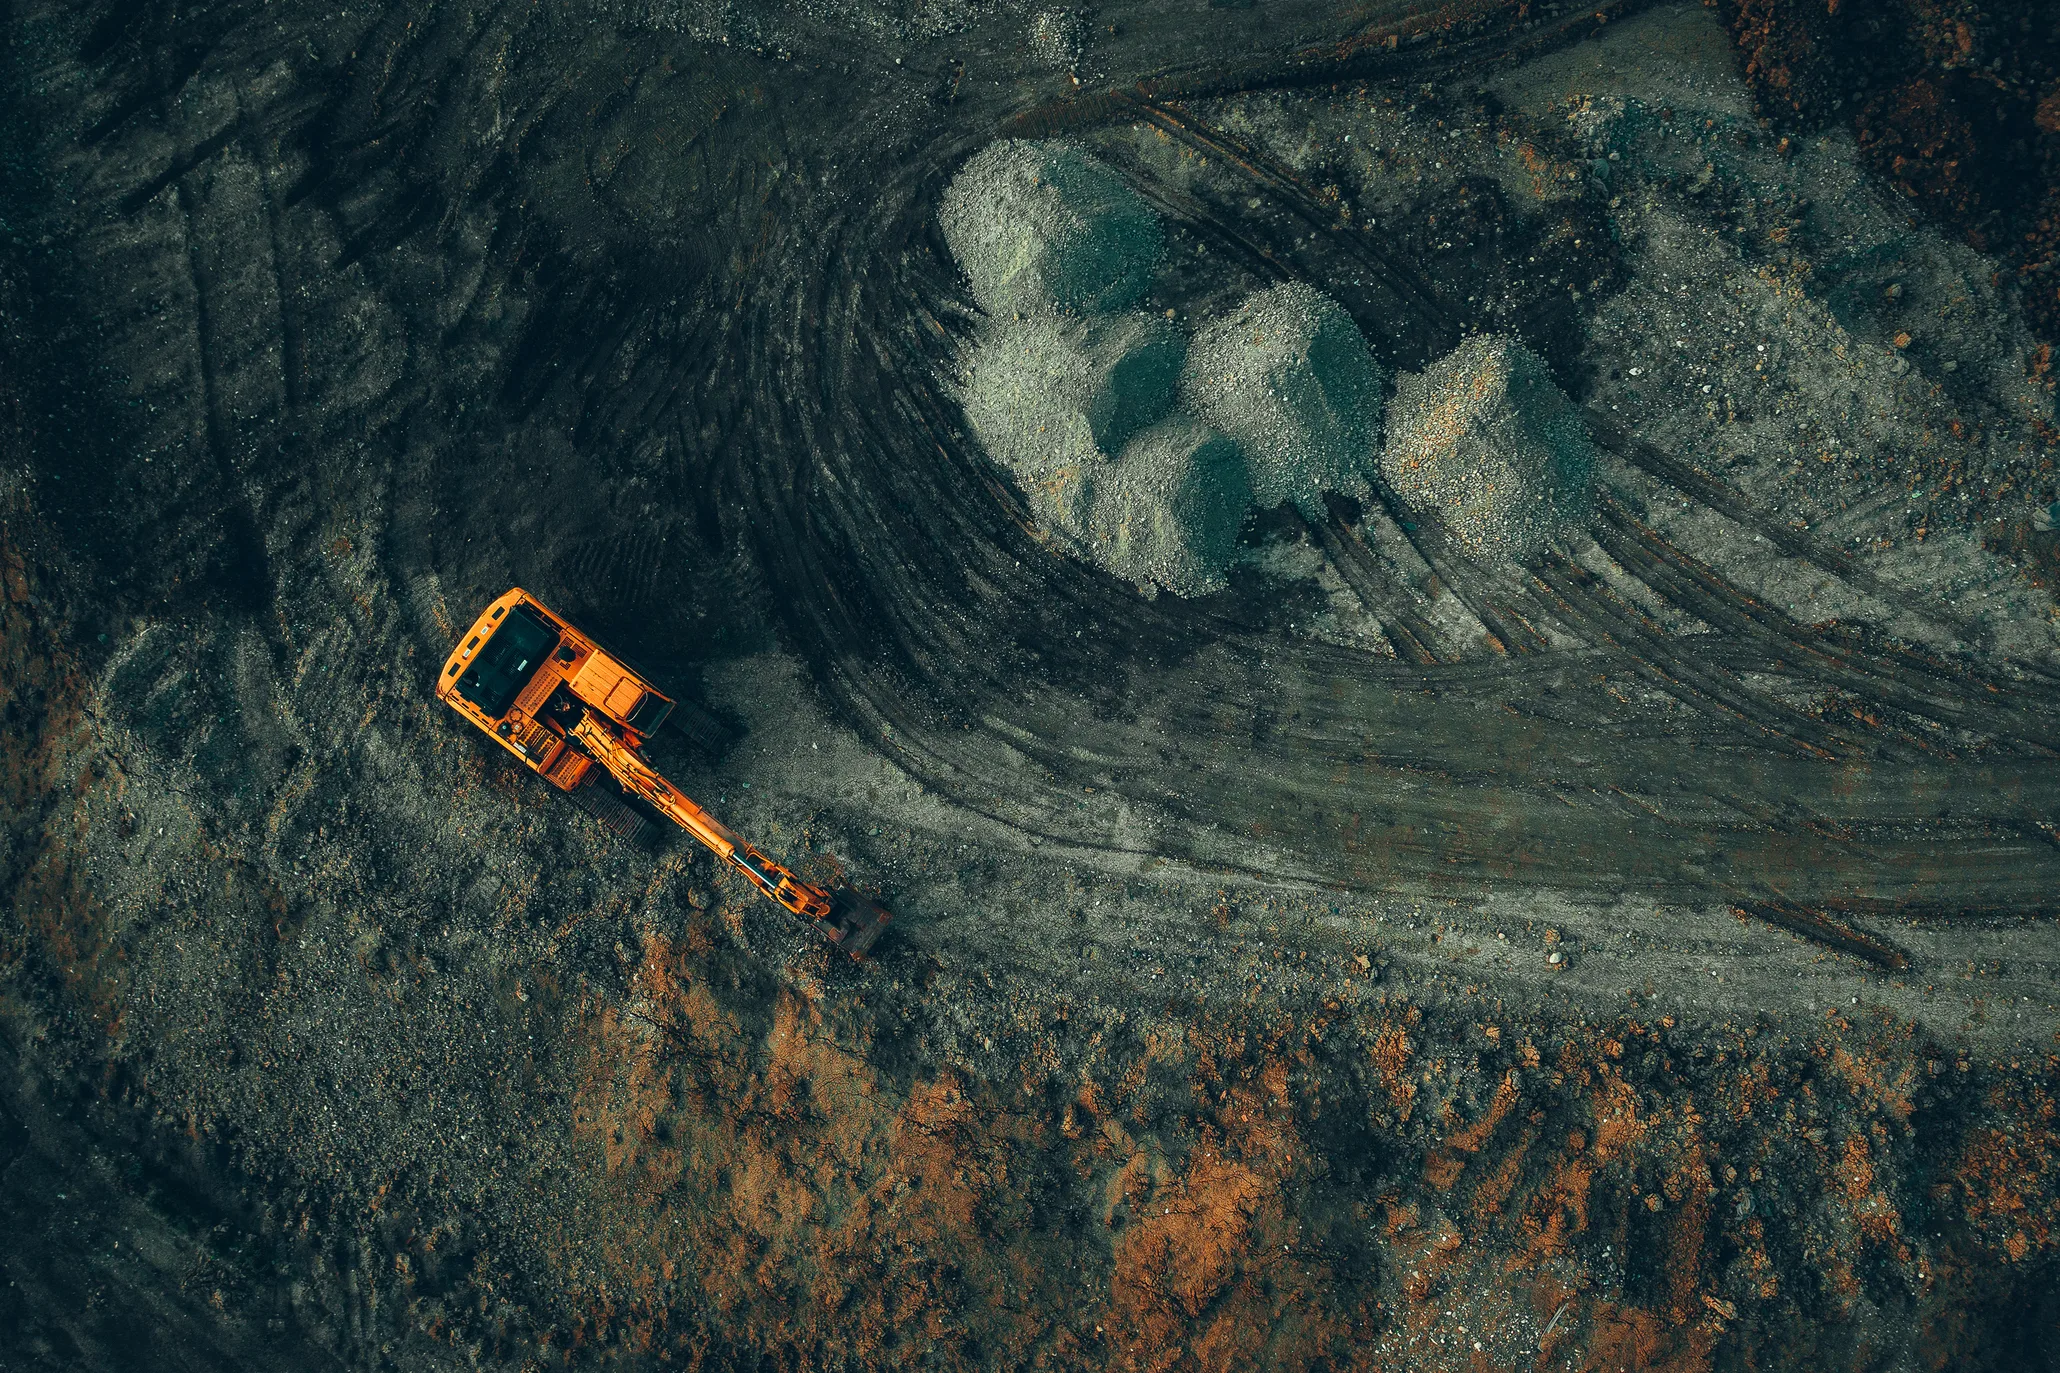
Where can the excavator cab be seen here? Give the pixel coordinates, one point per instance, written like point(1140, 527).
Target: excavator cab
point(562, 704)
point(513, 651)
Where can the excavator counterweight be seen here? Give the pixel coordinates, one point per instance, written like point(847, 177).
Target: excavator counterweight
point(562, 704)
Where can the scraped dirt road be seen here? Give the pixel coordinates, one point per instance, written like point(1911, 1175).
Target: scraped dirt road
point(1642, 959)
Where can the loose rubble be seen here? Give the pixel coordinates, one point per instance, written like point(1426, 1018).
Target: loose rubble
point(1056, 36)
point(1483, 441)
point(1283, 398)
point(1047, 390)
point(1288, 376)
point(1039, 226)
point(1167, 511)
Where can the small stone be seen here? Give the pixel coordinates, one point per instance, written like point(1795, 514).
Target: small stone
point(1555, 958)
point(1952, 366)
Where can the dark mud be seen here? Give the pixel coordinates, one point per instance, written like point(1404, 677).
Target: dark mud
point(1956, 106)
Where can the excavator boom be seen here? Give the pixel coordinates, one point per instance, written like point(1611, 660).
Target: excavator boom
point(560, 703)
point(640, 779)
point(846, 919)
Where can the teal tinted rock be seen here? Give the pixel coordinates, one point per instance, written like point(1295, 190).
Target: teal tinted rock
point(1168, 509)
point(1047, 390)
point(1043, 226)
point(1288, 376)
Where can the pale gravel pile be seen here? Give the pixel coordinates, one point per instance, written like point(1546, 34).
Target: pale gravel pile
point(1071, 392)
point(1048, 390)
point(1062, 377)
point(1484, 441)
point(1043, 226)
point(1167, 510)
point(1056, 37)
point(1288, 376)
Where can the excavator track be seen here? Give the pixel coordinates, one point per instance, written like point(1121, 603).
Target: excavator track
point(600, 801)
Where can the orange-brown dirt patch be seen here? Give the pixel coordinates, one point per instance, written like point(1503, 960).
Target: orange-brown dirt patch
point(758, 1178)
point(1224, 1215)
point(1953, 103)
point(47, 784)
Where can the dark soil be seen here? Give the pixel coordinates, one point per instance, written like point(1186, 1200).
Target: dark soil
point(1955, 105)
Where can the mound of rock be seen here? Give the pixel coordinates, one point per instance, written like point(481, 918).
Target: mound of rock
point(1484, 440)
point(1289, 378)
point(1056, 37)
point(1048, 390)
point(1041, 225)
point(1167, 510)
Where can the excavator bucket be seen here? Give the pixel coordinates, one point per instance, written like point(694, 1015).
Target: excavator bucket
point(853, 922)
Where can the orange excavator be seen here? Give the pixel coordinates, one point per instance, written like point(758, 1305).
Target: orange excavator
point(561, 703)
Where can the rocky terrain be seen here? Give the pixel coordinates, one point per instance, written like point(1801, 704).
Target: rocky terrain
point(1635, 955)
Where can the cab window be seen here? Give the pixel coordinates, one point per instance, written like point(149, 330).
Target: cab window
point(507, 662)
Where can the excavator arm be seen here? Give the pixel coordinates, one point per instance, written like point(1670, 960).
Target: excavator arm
point(843, 917)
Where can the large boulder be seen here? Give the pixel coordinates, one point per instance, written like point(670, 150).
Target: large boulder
point(1483, 439)
point(1289, 378)
point(1167, 510)
point(1050, 391)
point(1043, 226)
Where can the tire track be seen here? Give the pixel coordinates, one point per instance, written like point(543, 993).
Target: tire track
point(1017, 750)
point(804, 391)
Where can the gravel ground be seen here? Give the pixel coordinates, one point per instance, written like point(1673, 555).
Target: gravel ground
point(1641, 959)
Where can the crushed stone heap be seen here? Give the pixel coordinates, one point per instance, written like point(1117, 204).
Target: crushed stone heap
point(1485, 440)
point(1289, 378)
point(1167, 510)
point(1052, 397)
point(1070, 390)
point(1047, 390)
point(1041, 225)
